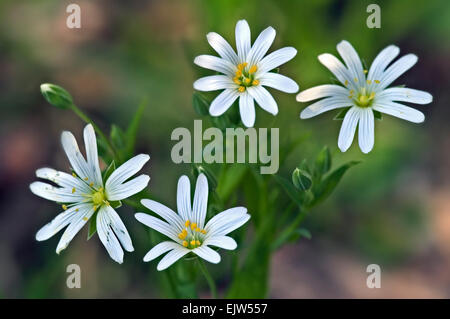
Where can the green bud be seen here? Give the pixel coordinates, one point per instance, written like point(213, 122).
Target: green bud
point(56, 95)
point(301, 179)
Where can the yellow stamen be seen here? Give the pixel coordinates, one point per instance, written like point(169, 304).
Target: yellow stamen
point(193, 226)
point(86, 178)
point(247, 80)
point(377, 82)
point(64, 207)
point(203, 231)
point(185, 243)
point(236, 80)
point(253, 69)
point(369, 82)
point(73, 190)
point(372, 95)
point(355, 79)
point(85, 219)
point(238, 73)
point(181, 236)
point(197, 229)
point(346, 82)
point(187, 223)
point(255, 82)
point(184, 231)
point(198, 242)
point(91, 184)
point(74, 175)
point(365, 71)
point(351, 92)
point(77, 210)
point(193, 243)
point(241, 89)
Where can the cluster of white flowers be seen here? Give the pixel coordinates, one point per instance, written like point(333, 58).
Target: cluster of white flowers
point(85, 193)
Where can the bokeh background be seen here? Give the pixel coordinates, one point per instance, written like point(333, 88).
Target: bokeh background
point(392, 210)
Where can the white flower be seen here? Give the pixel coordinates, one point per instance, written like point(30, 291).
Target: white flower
point(187, 229)
point(245, 73)
point(83, 193)
point(364, 94)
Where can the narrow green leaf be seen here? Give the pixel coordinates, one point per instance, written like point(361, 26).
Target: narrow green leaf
point(298, 233)
point(117, 137)
point(92, 226)
point(131, 132)
point(201, 105)
point(116, 204)
point(340, 116)
point(56, 95)
point(107, 172)
point(290, 190)
point(328, 185)
point(377, 115)
point(323, 162)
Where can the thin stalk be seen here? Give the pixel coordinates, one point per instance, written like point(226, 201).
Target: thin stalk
point(86, 118)
point(208, 277)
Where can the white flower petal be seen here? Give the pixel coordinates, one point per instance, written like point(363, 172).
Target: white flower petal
point(396, 69)
point(223, 102)
point(118, 227)
point(107, 236)
point(121, 191)
point(261, 45)
point(80, 219)
point(405, 95)
point(56, 194)
point(222, 47)
point(264, 99)
point(160, 249)
point(247, 109)
point(207, 254)
point(214, 82)
point(321, 91)
point(200, 204)
point(172, 257)
point(74, 156)
point(165, 212)
point(90, 142)
point(339, 70)
point(352, 60)
point(348, 128)
point(63, 179)
point(226, 221)
point(381, 61)
point(275, 59)
point(224, 242)
point(158, 225)
point(279, 82)
point(327, 104)
point(366, 134)
point(61, 221)
point(242, 34)
point(184, 197)
point(399, 110)
point(126, 170)
point(214, 63)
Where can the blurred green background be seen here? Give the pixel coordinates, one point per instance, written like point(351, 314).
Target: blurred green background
point(392, 210)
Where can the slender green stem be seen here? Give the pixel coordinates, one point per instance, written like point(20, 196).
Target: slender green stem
point(86, 118)
point(208, 277)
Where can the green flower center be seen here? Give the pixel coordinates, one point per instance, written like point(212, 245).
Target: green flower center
point(98, 197)
point(364, 98)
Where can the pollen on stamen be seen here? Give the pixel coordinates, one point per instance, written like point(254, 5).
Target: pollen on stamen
point(192, 243)
point(73, 190)
point(253, 69)
point(186, 224)
point(355, 79)
point(193, 226)
point(241, 89)
point(255, 82)
point(365, 71)
point(64, 207)
point(85, 219)
point(346, 82)
point(91, 184)
point(185, 243)
point(86, 178)
point(377, 82)
point(369, 82)
point(74, 175)
point(247, 80)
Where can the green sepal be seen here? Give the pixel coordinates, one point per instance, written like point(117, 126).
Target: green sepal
point(56, 95)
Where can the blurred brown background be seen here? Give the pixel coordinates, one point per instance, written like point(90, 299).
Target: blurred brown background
point(392, 210)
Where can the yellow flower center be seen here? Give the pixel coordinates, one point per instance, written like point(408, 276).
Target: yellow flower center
point(245, 76)
point(99, 198)
point(363, 98)
point(192, 235)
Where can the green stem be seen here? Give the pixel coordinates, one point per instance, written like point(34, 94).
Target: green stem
point(208, 277)
point(287, 232)
point(86, 118)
